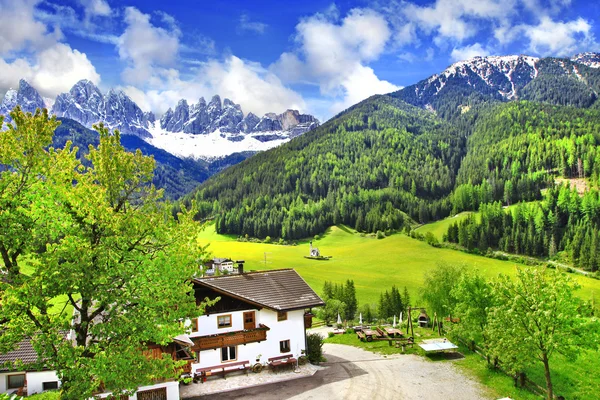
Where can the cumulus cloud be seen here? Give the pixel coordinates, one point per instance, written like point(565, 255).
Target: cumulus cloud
point(255, 88)
point(33, 53)
point(20, 30)
point(334, 55)
point(468, 52)
point(54, 70)
point(247, 25)
point(146, 47)
point(95, 8)
point(558, 38)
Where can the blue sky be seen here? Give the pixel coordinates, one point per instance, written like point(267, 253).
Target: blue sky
point(317, 56)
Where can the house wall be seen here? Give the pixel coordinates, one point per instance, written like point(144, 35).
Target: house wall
point(35, 381)
point(292, 329)
point(172, 390)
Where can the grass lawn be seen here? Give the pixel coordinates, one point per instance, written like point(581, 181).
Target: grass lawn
point(374, 264)
point(440, 228)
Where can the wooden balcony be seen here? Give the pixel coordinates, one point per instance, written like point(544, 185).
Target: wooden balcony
point(230, 339)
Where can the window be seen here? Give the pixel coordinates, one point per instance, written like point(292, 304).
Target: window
point(16, 381)
point(228, 353)
point(281, 316)
point(284, 346)
point(194, 324)
point(224, 321)
point(50, 385)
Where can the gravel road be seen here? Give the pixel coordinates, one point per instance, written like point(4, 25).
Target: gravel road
point(353, 373)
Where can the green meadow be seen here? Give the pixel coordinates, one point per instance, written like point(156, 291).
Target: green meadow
point(439, 228)
point(374, 264)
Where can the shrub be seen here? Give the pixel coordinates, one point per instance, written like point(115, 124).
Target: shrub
point(349, 330)
point(380, 235)
point(314, 342)
point(52, 395)
point(330, 334)
point(267, 239)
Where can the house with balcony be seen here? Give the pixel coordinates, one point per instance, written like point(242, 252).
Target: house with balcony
point(259, 315)
point(220, 266)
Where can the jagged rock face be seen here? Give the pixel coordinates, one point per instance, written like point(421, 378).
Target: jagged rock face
point(248, 123)
point(228, 118)
point(590, 59)
point(85, 104)
point(26, 96)
point(179, 117)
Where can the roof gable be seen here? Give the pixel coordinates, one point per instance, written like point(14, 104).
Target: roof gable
point(279, 290)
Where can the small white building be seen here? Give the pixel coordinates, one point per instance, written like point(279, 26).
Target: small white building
point(35, 378)
point(220, 265)
point(260, 315)
point(30, 380)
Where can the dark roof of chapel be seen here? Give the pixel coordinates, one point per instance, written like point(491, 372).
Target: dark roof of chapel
point(279, 290)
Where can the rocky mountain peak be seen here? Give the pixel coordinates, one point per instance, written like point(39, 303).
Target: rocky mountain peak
point(590, 59)
point(26, 96)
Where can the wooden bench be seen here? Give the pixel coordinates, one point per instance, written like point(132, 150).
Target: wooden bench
point(361, 335)
point(403, 342)
point(380, 332)
point(222, 369)
point(282, 361)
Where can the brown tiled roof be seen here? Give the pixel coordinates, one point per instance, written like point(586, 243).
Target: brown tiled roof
point(23, 353)
point(280, 290)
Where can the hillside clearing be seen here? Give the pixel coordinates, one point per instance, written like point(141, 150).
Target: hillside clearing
point(374, 265)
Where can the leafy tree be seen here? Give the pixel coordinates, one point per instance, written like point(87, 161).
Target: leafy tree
point(349, 297)
point(534, 317)
point(95, 239)
point(437, 288)
point(474, 300)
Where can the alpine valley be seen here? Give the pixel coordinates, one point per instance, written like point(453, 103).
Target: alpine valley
point(485, 133)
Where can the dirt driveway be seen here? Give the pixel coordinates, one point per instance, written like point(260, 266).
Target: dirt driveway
point(353, 373)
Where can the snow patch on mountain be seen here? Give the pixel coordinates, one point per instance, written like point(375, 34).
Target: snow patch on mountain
point(590, 59)
point(212, 145)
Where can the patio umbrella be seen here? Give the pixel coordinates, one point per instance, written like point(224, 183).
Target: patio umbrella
point(400, 323)
point(394, 324)
point(339, 321)
point(360, 319)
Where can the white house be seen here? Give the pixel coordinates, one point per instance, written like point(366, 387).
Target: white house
point(28, 381)
point(222, 265)
point(35, 378)
point(260, 315)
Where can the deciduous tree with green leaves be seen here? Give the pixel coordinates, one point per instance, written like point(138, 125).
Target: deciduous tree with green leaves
point(535, 316)
point(437, 288)
point(97, 240)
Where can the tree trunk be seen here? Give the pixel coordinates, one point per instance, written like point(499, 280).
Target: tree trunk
point(547, 374)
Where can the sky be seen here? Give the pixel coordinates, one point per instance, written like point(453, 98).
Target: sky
point(319, 57)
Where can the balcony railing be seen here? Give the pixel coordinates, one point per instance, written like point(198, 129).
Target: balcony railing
point(231, 338)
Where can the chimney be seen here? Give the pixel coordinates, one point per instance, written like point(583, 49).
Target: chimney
point(240, 266)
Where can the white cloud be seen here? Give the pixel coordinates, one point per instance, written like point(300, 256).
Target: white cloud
point(246, 25)
point(95, 8)
point(334, 54)
point(147, 48)
point(468, 52)
point(53, 71)
point(558, 38)
point(19, 30)
point(256, 89)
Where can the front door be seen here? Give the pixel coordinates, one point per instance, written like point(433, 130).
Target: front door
point(249, 322)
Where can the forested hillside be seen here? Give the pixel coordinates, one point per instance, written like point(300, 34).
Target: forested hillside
point(380, 159)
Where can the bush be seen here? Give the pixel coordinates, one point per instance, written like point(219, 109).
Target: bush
point(380, 235)
point(330, 334)
point(314, 342)
point(6, 396)
point(267, 239)
point(52, 395)
point(349, 330)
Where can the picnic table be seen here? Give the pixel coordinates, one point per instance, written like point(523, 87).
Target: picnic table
point(393, 331)
point(369, 334)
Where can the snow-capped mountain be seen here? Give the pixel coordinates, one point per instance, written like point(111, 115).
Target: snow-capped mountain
point(202, 130)
point(500, 77)
point(227, 117)
point(87, 105)
point(590, 59)
point(26, 96)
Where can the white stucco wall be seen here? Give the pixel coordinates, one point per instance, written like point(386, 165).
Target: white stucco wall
point(172, 390)
point(292, 329)
point(35, 381)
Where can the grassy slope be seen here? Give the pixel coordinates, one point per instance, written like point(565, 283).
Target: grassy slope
point(374, 265)
point(439, 228)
